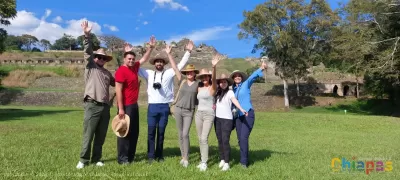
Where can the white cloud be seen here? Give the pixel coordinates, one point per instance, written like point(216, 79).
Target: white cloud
point(145, 23)
point(111, 27)
point(202, 34)
point(28, 23)
point(169, 4)
point(57, 19)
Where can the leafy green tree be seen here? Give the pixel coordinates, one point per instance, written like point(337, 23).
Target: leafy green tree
point(280, 31)
point(67, 42)
point(95, 41)
point(7, 11)
point(13, 42)
point(45, 44)
point(28, 41)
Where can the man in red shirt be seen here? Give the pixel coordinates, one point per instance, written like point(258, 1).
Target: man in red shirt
point(127, 90)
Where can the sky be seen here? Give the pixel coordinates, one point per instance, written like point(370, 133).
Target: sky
point(203, 21)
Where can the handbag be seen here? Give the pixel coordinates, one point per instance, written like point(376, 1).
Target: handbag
point(171, 108)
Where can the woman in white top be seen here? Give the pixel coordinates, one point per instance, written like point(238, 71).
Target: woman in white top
point(224, 118)
point(205, 113)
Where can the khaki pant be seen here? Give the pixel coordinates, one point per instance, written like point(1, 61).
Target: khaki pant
point(95, 125)
point(183, 119)
point(204, 122)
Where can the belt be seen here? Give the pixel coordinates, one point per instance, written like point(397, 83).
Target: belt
point(95, 102)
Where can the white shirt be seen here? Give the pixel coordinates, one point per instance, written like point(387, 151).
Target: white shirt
point(166, 93)
point(223, 107)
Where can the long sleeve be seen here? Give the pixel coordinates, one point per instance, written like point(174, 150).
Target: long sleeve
point(88, 50)
point(184, 60)
point(254, 76)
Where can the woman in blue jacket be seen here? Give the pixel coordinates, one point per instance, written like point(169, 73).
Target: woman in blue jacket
point(244, 124)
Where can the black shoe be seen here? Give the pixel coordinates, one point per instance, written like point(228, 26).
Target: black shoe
point(150, 161)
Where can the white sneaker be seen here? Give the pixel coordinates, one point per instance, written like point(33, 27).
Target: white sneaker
point(221, 164)
point(99, 163)
point(185, 163)
point(80, 165)
point(225, 167)
point(202, 166)
point(181, 162)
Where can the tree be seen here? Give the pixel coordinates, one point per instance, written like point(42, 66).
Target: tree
point(7, 11)
point(45, 44)
point(278, 26)
point(67, 42)
point(28, 41)
point(95, 41)
point(13, 42)
point(112, 42)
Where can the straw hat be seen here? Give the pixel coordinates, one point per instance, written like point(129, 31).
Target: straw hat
point(202, 73)
point(225, 77)
point(121, 126)
point(162, 56)
point(188, 68)
point(244, 75)
point(103, 53)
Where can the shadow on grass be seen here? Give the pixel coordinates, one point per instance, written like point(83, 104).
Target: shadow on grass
point(381, 107)
point(213, 153)
point(17, 114)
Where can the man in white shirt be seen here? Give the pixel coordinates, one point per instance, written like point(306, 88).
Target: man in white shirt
point(160, 91)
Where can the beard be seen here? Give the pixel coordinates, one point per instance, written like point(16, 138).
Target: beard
point(160, 68)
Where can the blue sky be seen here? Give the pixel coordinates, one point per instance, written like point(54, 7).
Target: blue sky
point(207, 21)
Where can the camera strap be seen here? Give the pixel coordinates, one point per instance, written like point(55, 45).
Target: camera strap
point(154, 80)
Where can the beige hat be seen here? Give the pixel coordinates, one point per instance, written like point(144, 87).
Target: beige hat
point(162, 56)
point(244, 75)
point(225, 77)
point(103, 53)
point(203, 72)
point(121, 126)
point(188, 68)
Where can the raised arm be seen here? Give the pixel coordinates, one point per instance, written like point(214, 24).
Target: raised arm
point(150, 46)
point(216, 59)
point(87, 42)
point(185, 58)
point(178, 74)
point(256, 74)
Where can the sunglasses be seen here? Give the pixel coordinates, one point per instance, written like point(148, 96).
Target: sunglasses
point(100, 57)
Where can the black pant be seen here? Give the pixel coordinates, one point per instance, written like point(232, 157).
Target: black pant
point(223, 129)
point(127, 145)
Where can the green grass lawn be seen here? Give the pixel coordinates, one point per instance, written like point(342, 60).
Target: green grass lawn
point(44, 142)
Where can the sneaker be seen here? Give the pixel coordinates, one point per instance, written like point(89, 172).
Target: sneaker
point(100, 163)
point(80, 165)
point(225, 167)
point(221, 163)
point(244, 166)
point(202, 166)
point(181, 162)
point(185, 163)
point(151, 161)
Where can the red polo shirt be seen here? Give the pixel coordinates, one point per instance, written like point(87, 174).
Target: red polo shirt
point(128, 76)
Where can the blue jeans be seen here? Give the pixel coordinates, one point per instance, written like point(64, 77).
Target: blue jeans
point(157, 120)
point(244, 125)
